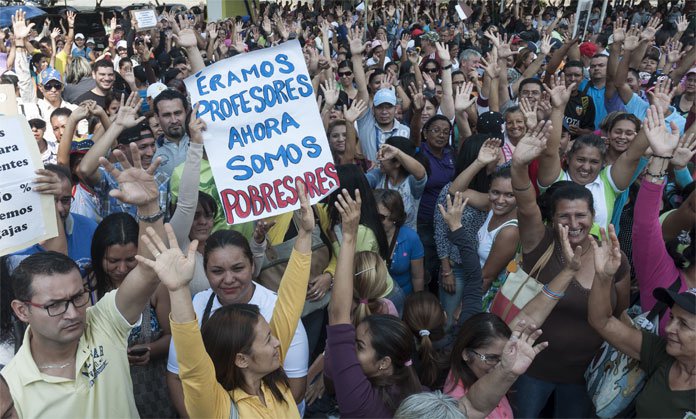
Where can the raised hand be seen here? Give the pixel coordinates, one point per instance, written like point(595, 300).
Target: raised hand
point(532, 144)
point(490, 66)
point(306, 213)
point(453, 214)
point(463, 98)
point(607, 257)
point(546, 45)
point(356, 109)
point(685, 151)
point(520, 351)
point(489, 151)
point(55, 33)
point(331, 93)
point(174, 269)
point(357, 46)
point(212, 31)
point(632, 39)
point(661, 142)
point(442, 51)
point(649, 31)
point(137, 185)
point(349, 209)
point(196, 126)
point(572, 257)
point(405, 38)
point(558, 91)
point(183, 33)
point(674, 52)
point(70, 15)
point(529, 110)
point(417, 97)
point(682, 23)
point(619, 29)
point(20, 28)
point(127, 115)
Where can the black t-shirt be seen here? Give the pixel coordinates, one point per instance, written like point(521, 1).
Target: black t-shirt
point(89, 95)
point(579, 112)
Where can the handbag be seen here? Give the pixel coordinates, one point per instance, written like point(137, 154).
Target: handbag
point(519, 287)
point(613, 378)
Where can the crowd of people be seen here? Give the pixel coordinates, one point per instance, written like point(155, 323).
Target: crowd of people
point(470, 150)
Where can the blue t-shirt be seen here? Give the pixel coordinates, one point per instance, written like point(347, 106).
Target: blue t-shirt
point(408, 247)
point(597, 96)
point(78, 231)
point(639, 107)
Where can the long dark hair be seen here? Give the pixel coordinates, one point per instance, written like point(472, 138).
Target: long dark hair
point(223, 238)
point(352, 178)
point(391, 337)
point(688, 256)
point(118, 228)
point(423, 313)
point(477, 331)
point(230, 331)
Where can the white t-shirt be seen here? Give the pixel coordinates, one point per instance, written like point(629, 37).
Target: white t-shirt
point(297, 358)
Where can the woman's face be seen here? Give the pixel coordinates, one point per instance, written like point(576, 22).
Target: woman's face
point(501, 197)
point(691, 83)
point(648, 65)
point(119, 260)
point(439, 92)
point(633, 81)
point(385, 217)
point(337, 139)
point(681, 334)
point(621, 135)
point(229, 273)
point(584, 165)
point(345, 76)
point(493, 351)
point(437, 134)
point(113, 107)
point(367, 356)
point(155, 127)
point(429, 111)
point(265, 350)
point(202, 225)
point(514, 125)
point(577, 216)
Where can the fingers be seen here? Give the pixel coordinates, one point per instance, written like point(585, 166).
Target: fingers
point(106, 164)
point(171, 236)
point(156, 240)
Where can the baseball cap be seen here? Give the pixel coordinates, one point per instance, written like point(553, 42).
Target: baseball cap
point(136, 133)
point(79, 35)
point(49, 74)
point(431, 36)
point(155, 89)
point(37, 123)
point(122, 44)
point(384, 96)
point(685, 300)
point(376, 43)
point(691, 71)
point(80, 146)
point(90, 41)
point(491, 123)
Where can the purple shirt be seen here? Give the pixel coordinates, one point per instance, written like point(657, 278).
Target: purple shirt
point(441, 173)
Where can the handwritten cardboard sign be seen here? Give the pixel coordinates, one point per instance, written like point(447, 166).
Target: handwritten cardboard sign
point(145, 19)
point(26, 217)
point(264, 132)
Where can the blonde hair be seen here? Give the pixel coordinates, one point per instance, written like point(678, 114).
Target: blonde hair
point(369, 285)
point(76, 69)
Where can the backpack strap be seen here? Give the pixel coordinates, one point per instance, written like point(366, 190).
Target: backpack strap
point(208, 308)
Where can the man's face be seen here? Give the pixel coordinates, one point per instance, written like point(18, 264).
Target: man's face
point(531, 92)
point(573, 75)
point(45, 48)
point(62, 329)
point(64, 201)
point(528, 21)
point(147, 148)
point(172, 117)
point(104, 76)
point(58, 125)
point(384, 113)
point(598, 68)
point(52, 90)
point(184, 69)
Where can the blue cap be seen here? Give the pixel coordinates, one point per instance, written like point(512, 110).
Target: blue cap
point(49, 74)
point(385, 96)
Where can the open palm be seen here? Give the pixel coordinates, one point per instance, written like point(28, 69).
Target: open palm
point(172, 266)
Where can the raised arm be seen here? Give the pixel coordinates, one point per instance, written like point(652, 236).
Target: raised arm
point(530, 223)
point(488, 153)
point(550, 160)
point(447, 103)
point(70, 36)
point(342, 295)
point(357, 108)
point(463, 101)
point(411, 165)
point(185, 36)
point(21, 30)
point(607, 259)
point(356, 49)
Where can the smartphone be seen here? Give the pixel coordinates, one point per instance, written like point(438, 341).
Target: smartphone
point(140, 351)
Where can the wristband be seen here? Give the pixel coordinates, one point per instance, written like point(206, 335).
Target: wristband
point(663, 157)
point(447, 67)
point(150, 218)
point(523, 189)
point(683, 176)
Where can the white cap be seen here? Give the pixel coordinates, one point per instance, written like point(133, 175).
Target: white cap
point(155, 89)
point(90, 40)
point(79, 35)
point(122, 44)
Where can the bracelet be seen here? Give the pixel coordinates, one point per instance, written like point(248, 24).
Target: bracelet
point(523, 189)
point(656, 175)
point(447, 67)
point(663, 157)
point(552, 295)
point(150, 218)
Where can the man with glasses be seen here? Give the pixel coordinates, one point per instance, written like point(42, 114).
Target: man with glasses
point(73, 360)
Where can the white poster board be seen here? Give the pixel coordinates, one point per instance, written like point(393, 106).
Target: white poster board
point(26, 217)
point(582, 18)
point(145, 19)
point(264, 132)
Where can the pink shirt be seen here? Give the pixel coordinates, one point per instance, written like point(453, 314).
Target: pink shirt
point(502, 411)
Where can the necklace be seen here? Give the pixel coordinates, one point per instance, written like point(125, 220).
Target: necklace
point(54, 366)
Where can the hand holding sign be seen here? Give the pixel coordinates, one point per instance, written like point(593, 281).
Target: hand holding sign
point(196, 126)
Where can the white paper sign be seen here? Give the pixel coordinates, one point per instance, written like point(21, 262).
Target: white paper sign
point(26, 217)
point(582, 18)
point(264, 132)
point(145, 19)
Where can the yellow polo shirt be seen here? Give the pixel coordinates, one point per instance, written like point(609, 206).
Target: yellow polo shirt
point(102, 387)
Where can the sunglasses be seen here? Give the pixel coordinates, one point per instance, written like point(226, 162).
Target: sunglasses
point(431, 70)
point(51, 86)
point(345, 74)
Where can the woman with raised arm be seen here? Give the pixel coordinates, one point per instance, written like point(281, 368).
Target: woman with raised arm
point(234, 362)
point(654, 265)
point(370, 365)
point(560, 370)
point(669, 362)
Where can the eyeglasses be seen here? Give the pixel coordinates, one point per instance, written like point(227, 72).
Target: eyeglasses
point(60, 307)
point(438, 131)
point(487, 359)
point(345, 74)
point(431, 70)
point(50, 86)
